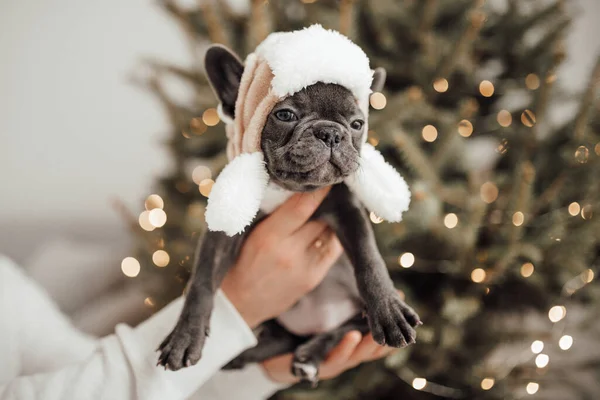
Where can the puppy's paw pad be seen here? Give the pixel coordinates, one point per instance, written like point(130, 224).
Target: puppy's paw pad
point(306, 371)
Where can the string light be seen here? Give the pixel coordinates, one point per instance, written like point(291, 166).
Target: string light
point(197, 126)
point(565, 342)
point(542, 360)
point(527, 270)
point(376, 219)
point(160, 258)
point(378, 100)
point(502, 147)
point(528, 118)
point(478, 275)
point(532, 387)
point(406, 260)
point(532, 81)
point(587, 276)
point(581, 154)
point(210, 117)
point(486, 88)
point(465, 128)
point(586, 212)
point(201, 173)
point(518, 218)
point(154, 201)
point(130, 267)
point(419, 383)
point(557, 313)
point(574, 208)
point(206, 186)
point(487, 383)
point(440, 85)
point(158, 217)
point(144, 221)
point(504, 118)
point(488, 192)
point(450, 220)
point(429, 133)
point(537, 346)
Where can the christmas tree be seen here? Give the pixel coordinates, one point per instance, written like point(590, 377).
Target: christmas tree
point(500, 246)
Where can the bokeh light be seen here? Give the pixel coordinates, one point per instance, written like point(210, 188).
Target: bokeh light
point(210, 117)
point(378, 101)
point(376, 219)
point(527, 269)
point(205, 187)
point(130, 267)
point(440, 85)
point(406, 260)
point(486, 88)
point(154, 201)
point(429, 133)
point(537, 346)
point(450, 220)
point(565, 342)
point(487, 383)
point(518, 218)
point(582, 154)
point(158, 217)
point(557, 313)
point(419, 383)
point(504, 118)
point(144, 221)
point(574, 208)
point(201, 173)
point(528, 118)
point(542, 360)
point(532, 387)
point(465, 128)
point(488, 192)
point(478, 275)
point(532, 81)
point(160, 258)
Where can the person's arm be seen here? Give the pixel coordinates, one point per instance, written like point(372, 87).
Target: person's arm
point(122, 366)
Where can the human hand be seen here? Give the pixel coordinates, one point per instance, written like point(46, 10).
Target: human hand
point(283, 258)
point(353, 350)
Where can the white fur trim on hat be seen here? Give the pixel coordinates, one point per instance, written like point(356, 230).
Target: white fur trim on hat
point(302, 58)
point(379, 186)
point(237, 193)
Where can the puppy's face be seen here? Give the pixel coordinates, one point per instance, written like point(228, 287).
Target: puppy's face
point(310, 139)
point(313, 138)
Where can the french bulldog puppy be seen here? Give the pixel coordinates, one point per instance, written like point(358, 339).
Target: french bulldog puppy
point(310, 140)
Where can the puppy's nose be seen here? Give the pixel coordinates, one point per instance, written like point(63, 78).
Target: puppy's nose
point(329, 135)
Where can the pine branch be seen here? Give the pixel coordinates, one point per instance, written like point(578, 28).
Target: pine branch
point(583, 116)
point(258, 24)
point(216, 33)
point(524, 179)
point(346, 13)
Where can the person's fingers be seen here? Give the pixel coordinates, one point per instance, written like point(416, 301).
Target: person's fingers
point(381, 352)
point(365, 350)
point(342, 352)
point(294, 213)
point(310, 235)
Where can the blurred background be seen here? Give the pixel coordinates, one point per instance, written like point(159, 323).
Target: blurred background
point(99, 98)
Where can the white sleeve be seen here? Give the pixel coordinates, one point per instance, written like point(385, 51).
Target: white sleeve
point(250, 383)
point(123, 366)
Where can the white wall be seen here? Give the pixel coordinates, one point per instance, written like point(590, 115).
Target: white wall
point(74, 132)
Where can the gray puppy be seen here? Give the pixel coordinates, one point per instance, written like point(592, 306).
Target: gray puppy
point(310, 140)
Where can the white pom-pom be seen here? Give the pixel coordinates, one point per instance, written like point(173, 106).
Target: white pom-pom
point(237, 193)
point(379, 186)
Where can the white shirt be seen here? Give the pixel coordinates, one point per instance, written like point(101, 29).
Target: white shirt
point(43, 357)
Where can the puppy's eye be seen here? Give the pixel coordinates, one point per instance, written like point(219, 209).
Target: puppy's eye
point(358, 124)
point(285, 115)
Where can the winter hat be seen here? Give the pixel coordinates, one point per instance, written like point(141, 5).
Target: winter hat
point(283, 64)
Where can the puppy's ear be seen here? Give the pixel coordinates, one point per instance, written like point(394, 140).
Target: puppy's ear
point(379, 76)
point(224, 70)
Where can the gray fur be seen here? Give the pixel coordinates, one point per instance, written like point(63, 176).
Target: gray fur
point(320, 147)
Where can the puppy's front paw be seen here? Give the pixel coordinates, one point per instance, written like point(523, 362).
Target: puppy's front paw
point(392, 321)
point(183, 347)
point(306, 369)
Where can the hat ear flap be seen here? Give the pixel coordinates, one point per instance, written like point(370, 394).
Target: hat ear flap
point(379, 186)
point(237, 193)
